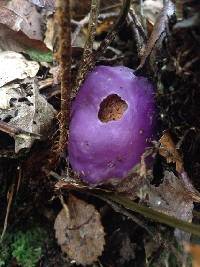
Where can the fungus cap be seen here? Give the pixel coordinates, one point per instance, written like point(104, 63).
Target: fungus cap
point(112, 121)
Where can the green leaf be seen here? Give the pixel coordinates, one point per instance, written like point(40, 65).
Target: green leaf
point(40, 56)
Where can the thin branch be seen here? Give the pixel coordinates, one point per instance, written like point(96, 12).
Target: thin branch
point(63, 56)
point(91, 59)
point(13, 130)
point(10, 198)
point(138, 30)
point(112, 34)
point(87, 62)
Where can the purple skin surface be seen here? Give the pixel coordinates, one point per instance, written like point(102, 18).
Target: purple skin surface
point(102, 150)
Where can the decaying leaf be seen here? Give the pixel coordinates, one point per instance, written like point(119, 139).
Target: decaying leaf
point(30, 18)
point(79, 231)
point(22, 103)
point(130, 186)
point(14, 66)
point(18, 41)
point(10, 18)
point(137, 177)
point(163, 197)
point(21, 26)
point(158, 30)
point(26, 109)
point(173, 197)
point(169, 151)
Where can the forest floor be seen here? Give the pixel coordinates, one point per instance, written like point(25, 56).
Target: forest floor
point(48, 215)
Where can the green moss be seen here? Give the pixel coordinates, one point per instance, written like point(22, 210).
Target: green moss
point(25, 247)
point(5, 251)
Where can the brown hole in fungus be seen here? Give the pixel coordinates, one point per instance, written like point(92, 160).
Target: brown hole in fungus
point(112, 108)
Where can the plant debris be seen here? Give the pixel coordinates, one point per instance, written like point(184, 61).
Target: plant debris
point(27, 110)
point(23, 68)
point(162, 198)
point(20, 27)
point(149, 218)
point(80, 234)
point(169, 151)
point(194, 250)
point(159, 31)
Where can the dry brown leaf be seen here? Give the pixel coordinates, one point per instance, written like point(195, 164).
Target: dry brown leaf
point(30, 18)
point(172, 188)
point(169, 151)
point(18, 41)
point(158, 31)
point(79, 231)
point(130, 186)
point(10, 18)
point(21, 26)
point(194, 250)
point(173, 197)
point(137, 177)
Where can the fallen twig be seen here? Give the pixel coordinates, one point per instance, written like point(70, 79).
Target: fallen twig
point(138, 30)
point(13, 130)
point(63, 56)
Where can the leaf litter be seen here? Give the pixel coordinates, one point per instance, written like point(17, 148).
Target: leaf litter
point(80, 234)
point(21, 27)
point(21, 102)
point(174, 198)
point(159, 31)
point(79, 231)
point(23, 68)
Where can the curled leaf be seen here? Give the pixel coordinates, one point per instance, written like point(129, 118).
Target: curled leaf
point(158, 31)
point(169, 151)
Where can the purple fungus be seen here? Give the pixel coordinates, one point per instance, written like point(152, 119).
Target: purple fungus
point(112, 122)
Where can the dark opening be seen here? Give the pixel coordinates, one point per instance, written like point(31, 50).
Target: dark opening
point(112, 108)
